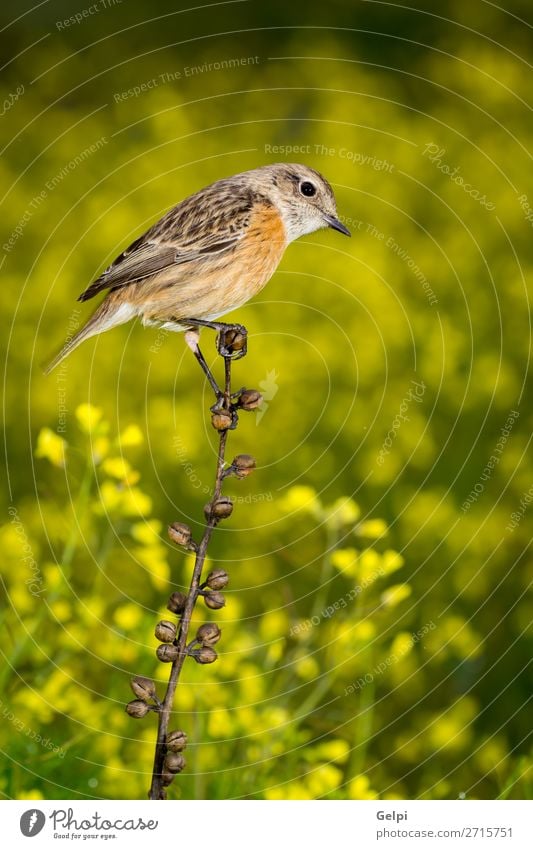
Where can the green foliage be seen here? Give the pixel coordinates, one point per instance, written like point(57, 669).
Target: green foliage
point(375, 636)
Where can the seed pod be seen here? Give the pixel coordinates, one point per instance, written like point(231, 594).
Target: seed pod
point(214, 600)
point(217, 579)
point(167, 652)
point(221, 420)
point(176, 741)
point(167, 778)
point(179, 533)
point(234, 340)
point(137, 708)
point(144, 688)
point(174, 762)
point(250, 399)
point(165, 631)
point(208, 634)
point(221, 509)
point(177, 602)
point(242, 465)
point(205, 655)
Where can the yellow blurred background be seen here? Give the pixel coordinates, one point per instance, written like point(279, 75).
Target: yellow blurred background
point(375, 638)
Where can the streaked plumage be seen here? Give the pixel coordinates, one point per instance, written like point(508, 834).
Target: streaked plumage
point(212, 252)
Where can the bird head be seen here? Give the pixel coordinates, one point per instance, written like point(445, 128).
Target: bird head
point(304, 199)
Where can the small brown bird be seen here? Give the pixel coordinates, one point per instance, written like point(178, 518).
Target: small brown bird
point(212, 252)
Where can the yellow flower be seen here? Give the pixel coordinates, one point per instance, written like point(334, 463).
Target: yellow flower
point(128, 616)
point(370, 567)
point(333, 750)
point(402, 644)
point(51, 447)
point(372, 528)
point(88, 417)
point(219, 724)
point(391, 561)
point(359, 788)
point(343, 511)
point(131, 436)
point(147, 532)
point(345, 560)
point(300, 498)
point(323, 780)
point(392, 596)
point(307, 668)
point(118, 467)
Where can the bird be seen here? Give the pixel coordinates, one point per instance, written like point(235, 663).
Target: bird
point(211, 253)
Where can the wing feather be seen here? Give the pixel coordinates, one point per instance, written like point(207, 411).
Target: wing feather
point(212, 221)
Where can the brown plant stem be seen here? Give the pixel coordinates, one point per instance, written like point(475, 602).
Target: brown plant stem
point(157, 790)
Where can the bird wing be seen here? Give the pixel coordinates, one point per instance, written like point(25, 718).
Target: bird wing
point(213, 221)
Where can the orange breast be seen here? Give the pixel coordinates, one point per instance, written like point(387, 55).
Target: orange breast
point(212, 286)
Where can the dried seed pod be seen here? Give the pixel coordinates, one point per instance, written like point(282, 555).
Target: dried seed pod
point(137, 708)
point(208, 634)
point(144, 688)
point(221, 420)
point(176, 741)
point(250, 399)
point(221, 509)
point(217, 579)
point(179, 533)
point(242, 465)
point(174, 762)
point(214, 600)
point(167, 652)
point(165, 631)
point(177, 602)
point(205, 655)
point(167, 778)
point(234, 339)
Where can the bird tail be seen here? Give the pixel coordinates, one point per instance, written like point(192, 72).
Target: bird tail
point(106, 316)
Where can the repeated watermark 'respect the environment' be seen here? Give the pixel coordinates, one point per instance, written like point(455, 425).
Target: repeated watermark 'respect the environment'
point(39, 198)
point(184, 73)
point(492, 462)
point(88, 12)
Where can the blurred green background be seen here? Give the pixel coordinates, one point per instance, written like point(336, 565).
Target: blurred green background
point(377, 630)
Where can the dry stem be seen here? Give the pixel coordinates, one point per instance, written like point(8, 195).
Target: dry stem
point(157, 790)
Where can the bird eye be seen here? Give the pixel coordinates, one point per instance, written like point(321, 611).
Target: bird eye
point(308, 190)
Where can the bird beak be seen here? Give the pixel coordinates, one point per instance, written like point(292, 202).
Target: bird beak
point(335, 224)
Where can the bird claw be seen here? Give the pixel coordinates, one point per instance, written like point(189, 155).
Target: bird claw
point(232, 341)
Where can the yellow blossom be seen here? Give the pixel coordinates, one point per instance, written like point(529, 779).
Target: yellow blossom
point(402, 644)
point(88, 417)
point(118, 467)
point(345, 560)
point(359, 788)
point(128, 616)
point(51, 446)
point(323, 780)
point(343, 511)
point(394, 595)
point(372, 528)
point(300, 498)
point(131, 436)
point(391, 561)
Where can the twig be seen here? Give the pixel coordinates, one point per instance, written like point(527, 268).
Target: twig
point(175, 647)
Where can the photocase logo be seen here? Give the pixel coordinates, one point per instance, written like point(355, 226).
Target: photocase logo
point(32, 822)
